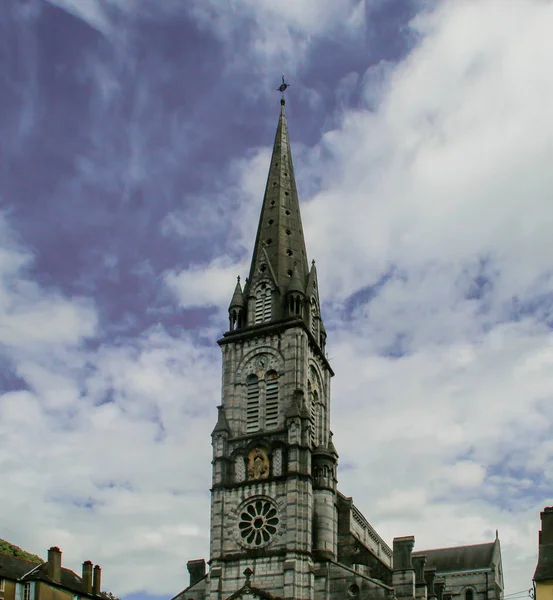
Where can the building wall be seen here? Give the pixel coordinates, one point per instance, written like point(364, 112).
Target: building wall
point(544, 590)
point(9, 590)
point(45, 591)
point(482, 583)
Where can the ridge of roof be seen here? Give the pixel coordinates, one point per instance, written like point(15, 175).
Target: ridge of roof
point(454, 547)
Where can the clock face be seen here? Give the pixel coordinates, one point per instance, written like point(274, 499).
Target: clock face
point(262, 361)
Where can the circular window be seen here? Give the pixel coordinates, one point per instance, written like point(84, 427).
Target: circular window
point(288, 232)
point(289, 253)
point(353, 590)
point(268, 241)
point(286, 212)
point(271, 221)
point(258, 523)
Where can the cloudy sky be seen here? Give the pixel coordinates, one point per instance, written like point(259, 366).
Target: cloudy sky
point(135, 139)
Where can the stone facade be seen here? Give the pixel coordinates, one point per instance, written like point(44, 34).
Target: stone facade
point(279, 526)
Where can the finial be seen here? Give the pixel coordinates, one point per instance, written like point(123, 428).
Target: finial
point(497, 534)
point(248, 575)
point(313, 263)
point(282, 88)
point(238, 279)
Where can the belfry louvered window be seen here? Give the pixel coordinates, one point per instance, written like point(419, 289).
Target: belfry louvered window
point(263, 305)
point(252, 404)
point(271, 400)
point(314, 409)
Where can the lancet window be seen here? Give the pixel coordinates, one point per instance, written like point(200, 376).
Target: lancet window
point(271, 400)
point(317, 409)
point(314, 319)
point(252, 404)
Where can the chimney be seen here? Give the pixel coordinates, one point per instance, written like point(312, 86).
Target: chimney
point(87, 576)
point(546, 533)
point(54, 564)
point(196, 568)
point(97, 581)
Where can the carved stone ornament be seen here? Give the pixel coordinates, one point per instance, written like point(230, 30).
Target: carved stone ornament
point(258, 464)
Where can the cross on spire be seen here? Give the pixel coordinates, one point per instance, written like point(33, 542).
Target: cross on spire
point(282, 88)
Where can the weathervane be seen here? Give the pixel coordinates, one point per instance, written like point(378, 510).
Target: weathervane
point(283, 87)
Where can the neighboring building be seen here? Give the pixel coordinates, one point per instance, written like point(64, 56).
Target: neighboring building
point(21, 579)
point(463, 572)
point(543, 576)
point(279, 526)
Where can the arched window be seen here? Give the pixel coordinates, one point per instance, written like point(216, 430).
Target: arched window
point(263, 305)
point(271, 400)
point(469, 594)
point(252, 404)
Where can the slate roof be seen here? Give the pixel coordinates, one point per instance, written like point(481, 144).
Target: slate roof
point(69, 579)
point(544, 569)
point(459, 558)
point(12, 567)
point(15, 568)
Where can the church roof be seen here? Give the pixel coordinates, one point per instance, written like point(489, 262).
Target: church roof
point(280, 241)
point(544, 569)
point(459, 558)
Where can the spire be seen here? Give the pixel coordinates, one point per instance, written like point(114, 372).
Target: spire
point(238, 300)
point(222, 423)
point(280, 243)
point(296, 284)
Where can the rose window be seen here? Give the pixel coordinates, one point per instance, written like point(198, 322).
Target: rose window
point(258, 523)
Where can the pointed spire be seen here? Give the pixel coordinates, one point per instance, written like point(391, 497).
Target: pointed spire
point(222, 423)
point(280, 243)
point(296, 284)
point(238, 300)
point(294, 409)
point(331, 446)
point(312, 287)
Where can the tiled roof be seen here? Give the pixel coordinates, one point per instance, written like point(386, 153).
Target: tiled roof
point(459, 558)
point(544, 570)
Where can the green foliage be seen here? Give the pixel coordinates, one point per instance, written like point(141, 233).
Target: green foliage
point(13, 550)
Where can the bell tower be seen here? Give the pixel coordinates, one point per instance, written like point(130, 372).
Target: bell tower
point(273, 497)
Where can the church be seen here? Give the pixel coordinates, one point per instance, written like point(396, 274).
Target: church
point(279, 526)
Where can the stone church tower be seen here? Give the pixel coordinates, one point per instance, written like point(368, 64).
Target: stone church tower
point(273, 503)
point(279, 526)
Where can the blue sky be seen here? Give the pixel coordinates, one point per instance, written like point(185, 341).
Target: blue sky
point(134, 151)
